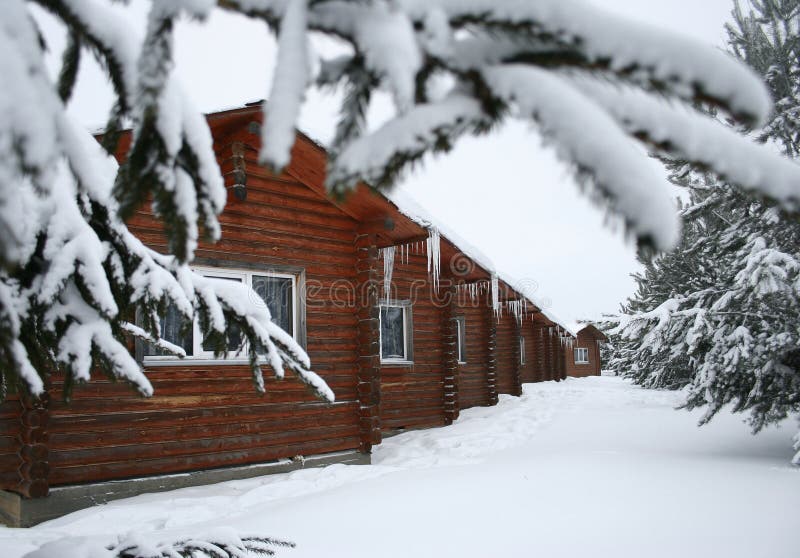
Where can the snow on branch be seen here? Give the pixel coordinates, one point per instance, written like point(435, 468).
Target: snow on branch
point(380, 156)
point(688, 135)
point(73, 276)
point(575, 124)
point(288, 87)
point(621, 45)
point(502, 58)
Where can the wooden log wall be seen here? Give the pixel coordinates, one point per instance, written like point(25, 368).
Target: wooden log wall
point(473, 374)
point(557, 352)
point(412, 395)
point(594, 365)
point(450, 353)
point(369, 360)
point(508, 364)
point(205, 416)
point(10, 443)
point(209, 415)
point(531, 370)
point(491, 342)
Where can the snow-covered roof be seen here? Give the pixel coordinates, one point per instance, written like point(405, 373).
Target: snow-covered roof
point(525, 291)
point(409, 207)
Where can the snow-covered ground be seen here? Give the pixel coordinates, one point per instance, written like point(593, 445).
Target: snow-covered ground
point(590, 467)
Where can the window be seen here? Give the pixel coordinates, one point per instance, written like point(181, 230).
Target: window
point(278, 291)
point(461, 339)
point(522, 350)
point(581, 356)
point(395, 332)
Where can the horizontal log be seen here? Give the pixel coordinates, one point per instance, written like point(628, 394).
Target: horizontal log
point(9, 479)
point(128, 469)
point(176, 448)
point(279, 413)
point(86, 394)
point(141, 434)
point(78, 406)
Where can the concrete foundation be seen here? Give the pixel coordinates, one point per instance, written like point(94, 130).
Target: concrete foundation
point(16, 511)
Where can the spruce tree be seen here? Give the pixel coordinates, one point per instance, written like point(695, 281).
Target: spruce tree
point(721, 314)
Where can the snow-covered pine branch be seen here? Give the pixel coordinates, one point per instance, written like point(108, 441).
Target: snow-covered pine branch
point(467, 41)
point(73, 279)
point(401, 46)
point(220, 542)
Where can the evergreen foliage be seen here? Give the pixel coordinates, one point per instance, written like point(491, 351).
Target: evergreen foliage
point(229, 547)
point(720, 315)
point(75, 284)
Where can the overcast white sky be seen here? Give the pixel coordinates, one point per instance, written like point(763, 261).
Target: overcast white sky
point(504, 193)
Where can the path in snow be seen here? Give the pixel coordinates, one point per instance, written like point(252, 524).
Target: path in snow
point(591, 467)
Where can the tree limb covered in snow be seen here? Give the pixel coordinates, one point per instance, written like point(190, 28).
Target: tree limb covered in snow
point(72, 276)
point(70, 270)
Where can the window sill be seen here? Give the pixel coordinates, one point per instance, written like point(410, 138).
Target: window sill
point(397, 363)
point(237, 361)
point(462, 362)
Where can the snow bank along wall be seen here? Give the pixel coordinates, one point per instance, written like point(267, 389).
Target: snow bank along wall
point(453, 339)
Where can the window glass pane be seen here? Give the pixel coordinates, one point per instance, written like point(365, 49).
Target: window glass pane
point(278, 295)
point(462, 343)
point(392, 333)
point(234, 333)
point(172, 325)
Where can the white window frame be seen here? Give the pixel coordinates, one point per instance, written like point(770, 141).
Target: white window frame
point(582, 351)
point(461, 339)
point(522, 356)
point(246, 275)
point(407, 332)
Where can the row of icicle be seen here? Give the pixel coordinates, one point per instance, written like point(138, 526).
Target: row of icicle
point(565, 338)
point(431, 246)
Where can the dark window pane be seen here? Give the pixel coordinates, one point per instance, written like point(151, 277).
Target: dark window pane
point(172, 325)
point(278, 294)
point(234, 333)
point(392, 333)
point(462, 340)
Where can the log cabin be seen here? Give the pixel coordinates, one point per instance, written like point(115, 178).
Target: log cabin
point(585, 358)
point(407, 324)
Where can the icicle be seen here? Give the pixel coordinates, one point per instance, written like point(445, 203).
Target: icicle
point(388, 266)
point(433, 250)
point(515, 308)
point(495, 294)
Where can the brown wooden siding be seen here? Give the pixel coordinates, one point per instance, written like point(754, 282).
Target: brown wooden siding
point(209, 415)
point(473, 383)
point(10, 446)
point(412, 395)
point(530, 371)
point(507, 355)
point(586, 341)
point(205, 416)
